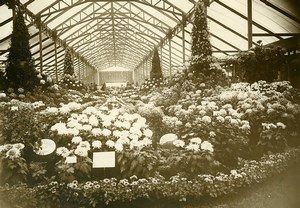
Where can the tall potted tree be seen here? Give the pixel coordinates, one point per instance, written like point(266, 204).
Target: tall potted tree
point(201, 46)
point(20, 70)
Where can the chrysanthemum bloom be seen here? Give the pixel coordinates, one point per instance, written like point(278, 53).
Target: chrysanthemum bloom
point(76, 139)
point(179, 143)
point(207, 146)
point(62, 151)
point(96, 131)
point(82, 152)
point(96, 144)
point(106, 132)
point(13, 153)
point(110, 143)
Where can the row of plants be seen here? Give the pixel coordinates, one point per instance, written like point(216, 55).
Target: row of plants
point(112, 192)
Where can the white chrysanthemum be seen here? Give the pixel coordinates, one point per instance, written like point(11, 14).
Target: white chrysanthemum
point(136, 125)
point(223, 112)
point(124, 140)
point(220, 119)
point(74, 106)
point(207, 146)
point(119, 147)
point(110, 143)
point(193, 147)
point(64, 109)
point(58, 127)
point(133, 136)
point(72, 123)
point(202, 112)
point(126, 125)
point(13, 153)
point(106, 123)
point(2, 95)
point(53, 110)
point(72, 131)
point(85, 145)
point(216, 113)
point(212, 134)
point(148, 133)
point(81, 152)
point(96, 131)
point(118, 124)
point(106, 132)
point(116, 133)
point(234, 122)
point(97, 144)
point(125, 134)
point(19, 146)
point(93, 120)
point(147, 141)
point(206, 119)
point(196, 140)
point(90, 110)
point(178, 143)
point(136, 131)
point(76, 139)
point(62, 151)
point(87, 127)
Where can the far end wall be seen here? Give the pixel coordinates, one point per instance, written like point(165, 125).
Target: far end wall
point(114, 77)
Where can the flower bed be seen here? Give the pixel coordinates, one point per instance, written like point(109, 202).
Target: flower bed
point(110, 191)
point(195, 143)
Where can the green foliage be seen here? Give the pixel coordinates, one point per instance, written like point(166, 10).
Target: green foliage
point(13, 171)
point(3, 80)
point(156, 72)
point(143, 164)
point(10, 3)
point(20, 71)
point(201, 47)
point(68, 63)
point(109, 192)
point(71, 82)
point(262, 63)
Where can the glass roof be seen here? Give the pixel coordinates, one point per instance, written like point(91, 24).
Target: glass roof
point(124, 33)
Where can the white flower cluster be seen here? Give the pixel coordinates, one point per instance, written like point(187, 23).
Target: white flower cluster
point(64, 109)
point(112, 128)
point(11, 151)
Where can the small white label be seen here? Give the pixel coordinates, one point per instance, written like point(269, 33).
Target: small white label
point(104, 159)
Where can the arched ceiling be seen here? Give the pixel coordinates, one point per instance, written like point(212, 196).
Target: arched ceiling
point(106, 33)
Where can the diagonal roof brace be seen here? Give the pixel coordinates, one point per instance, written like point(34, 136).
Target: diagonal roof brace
point(36, 20)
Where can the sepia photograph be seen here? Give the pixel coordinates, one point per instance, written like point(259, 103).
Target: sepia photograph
point(149, 104)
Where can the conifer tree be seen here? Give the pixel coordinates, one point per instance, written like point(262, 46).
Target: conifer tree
point(201, 46)
point(68, 63)
point(20, 71)
point(156, 72)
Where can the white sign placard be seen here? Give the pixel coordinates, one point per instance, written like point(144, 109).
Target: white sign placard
point(104, 159)
point(71, 159)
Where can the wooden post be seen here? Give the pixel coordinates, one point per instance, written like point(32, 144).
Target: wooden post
point(41, 47)
point(249, 9)
point(55, 57)
point(170, 57)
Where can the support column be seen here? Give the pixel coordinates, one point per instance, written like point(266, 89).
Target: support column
point(249, 9)
point(161, 59)
point(183, 38)
point(170, 57)
point(41, 47)
point(79, 77)
point(55, 57)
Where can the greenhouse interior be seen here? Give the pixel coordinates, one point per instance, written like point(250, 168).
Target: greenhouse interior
point(149, 103)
